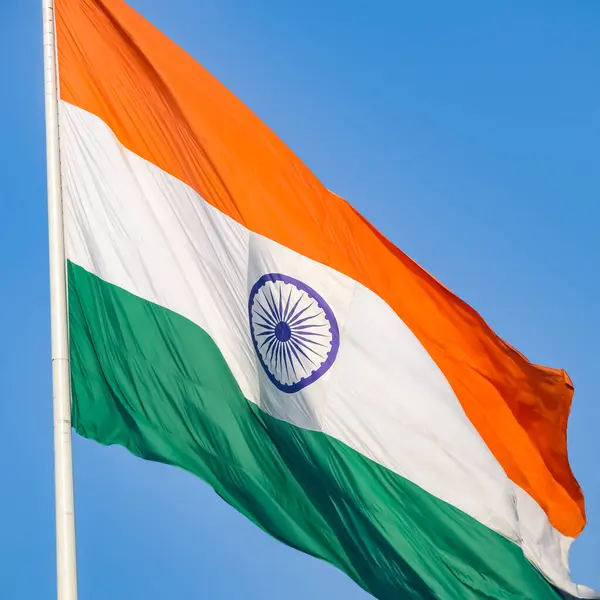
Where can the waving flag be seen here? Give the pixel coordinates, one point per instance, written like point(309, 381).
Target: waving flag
point(230, 315)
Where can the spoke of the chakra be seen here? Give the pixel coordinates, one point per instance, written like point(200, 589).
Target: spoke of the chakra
point(269, 349)
point(264, 326)
point(308, 336)
point(288, 364)
point(268, 333)
point(295, 344)
point(271, 359)
point(268, 308)
point(267, 316)
point(268, 342)
point(296, 322)
point(307, 346)
point(268, 330)
point(274, 354)
point(292, 349)
point(290, 316)
point(282, 368)
point(310, 333)
point(265, 347)
point(289, 358)
point(310, 341)
point(272, 303)
point(265, 341)
point(276, 343)
point(280, 305)
point(295, 318)
point(282, 357)
point(278, 356)
point(268, 323)
point(298, 327)
point(287, 305)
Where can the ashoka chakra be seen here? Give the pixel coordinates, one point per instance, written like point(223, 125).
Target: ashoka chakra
point(294, 331)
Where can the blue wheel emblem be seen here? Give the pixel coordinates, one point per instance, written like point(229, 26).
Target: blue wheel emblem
point(294, 331)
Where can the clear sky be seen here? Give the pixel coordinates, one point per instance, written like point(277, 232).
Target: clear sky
point(468, 132)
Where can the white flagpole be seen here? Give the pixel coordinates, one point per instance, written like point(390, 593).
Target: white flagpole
point(66, 568)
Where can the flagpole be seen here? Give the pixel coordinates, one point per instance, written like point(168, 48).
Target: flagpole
point(66, 568)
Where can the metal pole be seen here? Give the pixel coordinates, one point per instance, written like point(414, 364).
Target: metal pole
point(66, 567)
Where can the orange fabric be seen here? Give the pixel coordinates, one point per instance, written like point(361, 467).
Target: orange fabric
point(168, 109)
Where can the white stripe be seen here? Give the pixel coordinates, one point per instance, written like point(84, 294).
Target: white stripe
point(137, 227)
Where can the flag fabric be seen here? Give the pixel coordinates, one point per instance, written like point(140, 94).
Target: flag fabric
point(231, 316)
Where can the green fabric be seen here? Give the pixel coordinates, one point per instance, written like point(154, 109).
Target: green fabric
point(152, 381)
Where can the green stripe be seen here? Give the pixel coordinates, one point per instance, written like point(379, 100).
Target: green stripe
point(152, 381)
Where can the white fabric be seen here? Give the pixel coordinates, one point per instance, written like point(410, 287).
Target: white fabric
point(139, 228)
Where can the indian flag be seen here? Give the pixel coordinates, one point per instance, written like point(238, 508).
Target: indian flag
point(231, 316)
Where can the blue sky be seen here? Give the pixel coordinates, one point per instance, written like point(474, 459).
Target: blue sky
point(468, 132)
